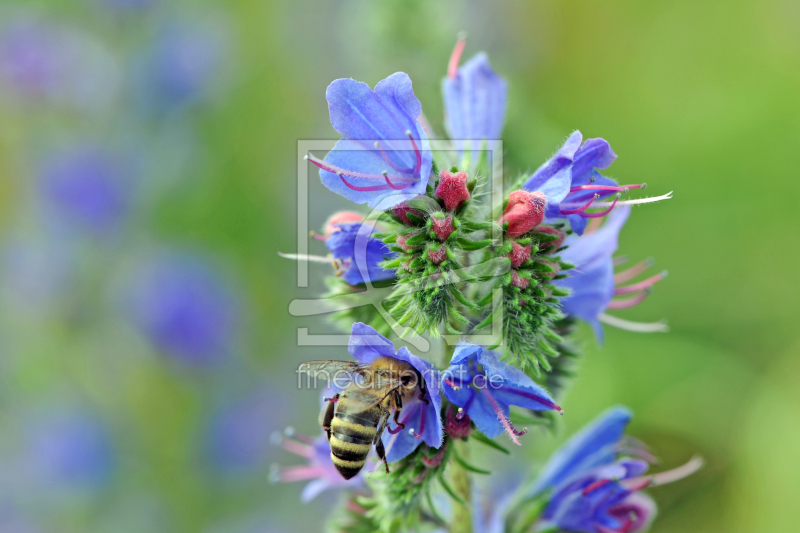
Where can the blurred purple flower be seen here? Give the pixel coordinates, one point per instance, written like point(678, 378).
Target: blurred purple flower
point(349, 248)
point(485, 388)
point(474, 99)
point(320, 469)
point(592, 282)
point(183, 63)
point(238, 438)
point(590, 489)
point(30, 58)
point(68, 450)
point(185, 308)
point(420, 418)
point(87, 187)
point(384, 157)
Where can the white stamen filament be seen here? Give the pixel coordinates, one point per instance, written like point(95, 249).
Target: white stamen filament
point(638, 327)
point(305, 257)
point(621, 202)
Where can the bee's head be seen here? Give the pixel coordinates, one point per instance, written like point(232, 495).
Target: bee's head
point(410, 380)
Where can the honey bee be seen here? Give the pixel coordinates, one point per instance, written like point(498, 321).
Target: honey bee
point(354, 420)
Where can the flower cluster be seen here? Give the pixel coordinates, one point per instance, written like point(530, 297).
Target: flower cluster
point(450, 263)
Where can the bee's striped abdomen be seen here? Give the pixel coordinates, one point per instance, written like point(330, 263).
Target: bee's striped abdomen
point(351, 436)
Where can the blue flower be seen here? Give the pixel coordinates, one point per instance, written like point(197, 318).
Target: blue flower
point(358, 253)
point(86, 187)
point(592, 282)
point(590, 489)
point(182, 65)
point(572, 183)
point(419, 415)
point(70, 450)
point(185, 308)
point(485, 388)
point(30, 58)
point(474, 101)
point(384, 157)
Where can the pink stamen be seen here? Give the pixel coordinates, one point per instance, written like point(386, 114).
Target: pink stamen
point(629, 302)
point(363, 189)
point(417, 153)
point(297, 448)
point(300, 473)
point(505, 421)
point(581, 209)
point(400, 427)
point(617, 188)
point(602, 213)
point(392, 185)
point(455, 57)
point(332, 400)
point(633, 271)
point(596, 485)
point(418, 434)
point(391, 163)
point(350, 173)
point(317, 236)
point(636, 287)
point(453, 385)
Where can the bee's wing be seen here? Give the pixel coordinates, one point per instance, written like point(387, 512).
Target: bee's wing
point(328, 369)
point(363, 396)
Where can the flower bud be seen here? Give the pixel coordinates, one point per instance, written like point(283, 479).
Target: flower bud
point(432, 461)
point(402, 210)
point(342, 217)
point(437, 255)
point(519, 281)
point(443, 227)
point(556, 244)
point(452, 189)
point(524, 211)
point(519, 254)
point(401, 241)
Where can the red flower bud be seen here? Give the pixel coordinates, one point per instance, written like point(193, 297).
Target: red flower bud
point(342, 217)
point(556, 244)
point(443, 227)
point(452, 189)
point(519, 254)
point(436, 459)
point(401, 241)
point(524, 211)
point(519, 281)
point(437, 256)
point(402, 210)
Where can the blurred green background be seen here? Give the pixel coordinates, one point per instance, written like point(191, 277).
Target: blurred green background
point(148, 155)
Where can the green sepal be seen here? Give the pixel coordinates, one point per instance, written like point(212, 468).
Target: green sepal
point(469, 467)
point(416, 219)
point(480, 437)
point(471, 246)
point(450, 490)
point(417, 240)
point(559, 292)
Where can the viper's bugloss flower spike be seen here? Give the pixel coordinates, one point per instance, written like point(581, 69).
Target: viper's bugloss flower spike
point(420, 415)
point(350, 242)
point(485, 388)
point(319, 470)
point(384, 157)
point(474, 101)
point(524, 211)
point(593, 490)
point(592, 283)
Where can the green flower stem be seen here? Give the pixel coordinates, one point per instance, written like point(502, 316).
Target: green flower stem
point(461, 483)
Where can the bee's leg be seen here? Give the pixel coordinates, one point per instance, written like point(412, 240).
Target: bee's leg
point(422, 389)
point(382, 454)
point(327, 418)
point(379, 443)
point(398, 404)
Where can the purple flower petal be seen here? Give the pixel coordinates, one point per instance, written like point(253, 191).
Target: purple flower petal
point(475, 101)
